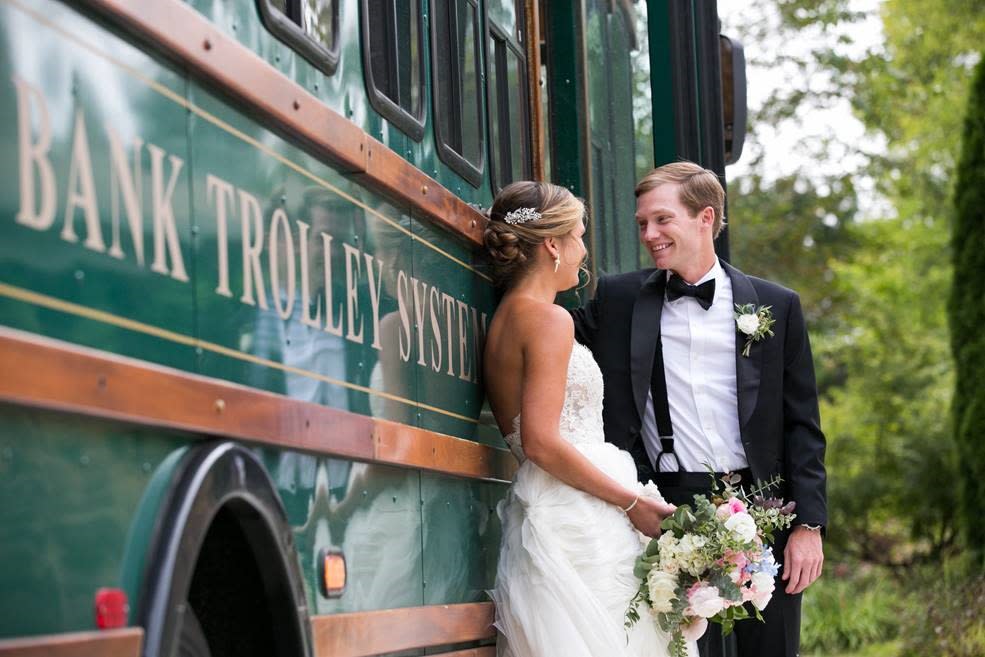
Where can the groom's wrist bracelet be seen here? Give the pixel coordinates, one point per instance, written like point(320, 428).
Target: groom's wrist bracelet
point(813, 528)
point(630, 507)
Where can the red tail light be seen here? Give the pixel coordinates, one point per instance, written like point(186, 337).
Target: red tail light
point(112, 608)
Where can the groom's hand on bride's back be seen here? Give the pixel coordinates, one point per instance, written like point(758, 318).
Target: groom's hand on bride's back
point(648, 513)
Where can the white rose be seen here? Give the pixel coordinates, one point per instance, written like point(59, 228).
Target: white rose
point(706, 602)
point(668, 544)
point(663, 587)
point(760, 600)
point(763, 582)
point(668, 553)
point(742, 526)
point(748, 323)
point(691, 542)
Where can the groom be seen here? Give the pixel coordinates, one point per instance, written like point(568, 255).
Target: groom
point(682, 394)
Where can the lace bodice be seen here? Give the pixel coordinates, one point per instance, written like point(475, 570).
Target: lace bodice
point(581, 414)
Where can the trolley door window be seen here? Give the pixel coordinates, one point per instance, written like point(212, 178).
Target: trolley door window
point(311, 27)
point(392, 60)
point(456, 76)
point(509, 114)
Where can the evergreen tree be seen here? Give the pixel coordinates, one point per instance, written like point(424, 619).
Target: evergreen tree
point(967, 316)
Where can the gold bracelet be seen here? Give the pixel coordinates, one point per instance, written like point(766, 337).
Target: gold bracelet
point(630, 507)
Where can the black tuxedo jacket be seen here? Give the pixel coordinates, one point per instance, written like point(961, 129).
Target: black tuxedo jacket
point(777, 393)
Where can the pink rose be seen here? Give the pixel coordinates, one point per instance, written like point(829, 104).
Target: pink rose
point(695, 629)
point(737, 559)
point(730, 507)
point(705, 600)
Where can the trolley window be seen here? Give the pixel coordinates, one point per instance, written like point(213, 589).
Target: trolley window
point(456, 76)
point(509, 113)
point(310, 27)
point(393, 63)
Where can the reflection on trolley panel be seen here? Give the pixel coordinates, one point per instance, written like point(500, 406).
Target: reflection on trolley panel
point(448, 330)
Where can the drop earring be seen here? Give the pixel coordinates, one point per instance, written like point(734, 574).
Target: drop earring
point(557, 263)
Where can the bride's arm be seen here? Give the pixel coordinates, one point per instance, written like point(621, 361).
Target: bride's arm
point(547, 342)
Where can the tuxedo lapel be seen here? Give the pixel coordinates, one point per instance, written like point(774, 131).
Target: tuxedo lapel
point(747, 368)
point(644, 334)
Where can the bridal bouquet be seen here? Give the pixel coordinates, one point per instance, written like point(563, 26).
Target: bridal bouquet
point(710, 560)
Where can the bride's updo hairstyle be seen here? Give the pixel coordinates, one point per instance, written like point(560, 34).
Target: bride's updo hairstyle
point(512, 245)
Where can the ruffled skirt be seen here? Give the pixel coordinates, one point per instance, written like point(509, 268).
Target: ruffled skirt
point(565, 574)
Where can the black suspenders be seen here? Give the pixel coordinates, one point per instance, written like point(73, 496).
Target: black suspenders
point(661, 408)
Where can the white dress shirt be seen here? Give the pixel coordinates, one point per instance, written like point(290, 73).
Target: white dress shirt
point(699, 363)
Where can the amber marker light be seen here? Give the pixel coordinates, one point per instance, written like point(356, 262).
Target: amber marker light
point(112, 608)
point(331, 565)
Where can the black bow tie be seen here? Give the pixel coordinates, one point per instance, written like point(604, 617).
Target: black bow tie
point(704, 294)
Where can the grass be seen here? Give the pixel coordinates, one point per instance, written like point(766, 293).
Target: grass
point(882, 649)
point(932, 611)
point(843, 616)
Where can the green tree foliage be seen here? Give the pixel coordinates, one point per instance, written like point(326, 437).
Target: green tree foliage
point(889, 443)
point(789, 229)
point(967, 314)
point(874, 280)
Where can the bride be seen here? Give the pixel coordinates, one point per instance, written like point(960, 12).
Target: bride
point(570, 520)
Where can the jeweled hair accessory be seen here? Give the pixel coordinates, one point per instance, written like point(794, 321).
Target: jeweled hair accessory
point(521, 216)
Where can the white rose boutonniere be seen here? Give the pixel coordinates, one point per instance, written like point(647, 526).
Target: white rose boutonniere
point(755, 323)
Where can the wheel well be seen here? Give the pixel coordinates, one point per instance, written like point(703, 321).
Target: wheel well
point(223, 547)
point(242, 612)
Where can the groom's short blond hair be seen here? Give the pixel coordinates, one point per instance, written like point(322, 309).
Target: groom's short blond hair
point(698, 188)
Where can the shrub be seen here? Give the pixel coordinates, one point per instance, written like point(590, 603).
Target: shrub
point(967, 312)
point(850, 612)
point(948, 620)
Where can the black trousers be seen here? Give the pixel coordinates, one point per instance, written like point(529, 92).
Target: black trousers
point(779, 635)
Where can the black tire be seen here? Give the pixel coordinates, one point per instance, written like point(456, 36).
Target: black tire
point(192, 641)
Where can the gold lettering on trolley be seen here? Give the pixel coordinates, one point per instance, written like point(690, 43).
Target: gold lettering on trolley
point(420, 306)
point(278, 224)
point(165, 231)
point(306, 317)
point(331, 278)
point(352, 268)
point(404, 338)
point(33, 156)
point(435, 300)
point(82, 191)
point(222, 191)
point(375, 281)
point(331, 326)
point(251, 224)
point(123, 182)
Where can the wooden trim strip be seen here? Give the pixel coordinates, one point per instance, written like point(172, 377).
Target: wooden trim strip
point(366, 633)
point(77, 310)
point(105, 643)
point(535, 95)
point(46, 373)
point(190, 38)
point(485, 651)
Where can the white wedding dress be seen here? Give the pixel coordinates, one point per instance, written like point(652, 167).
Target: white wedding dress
point(565, 575)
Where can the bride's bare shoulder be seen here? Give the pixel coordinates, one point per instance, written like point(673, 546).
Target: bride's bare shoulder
point(537, 323)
